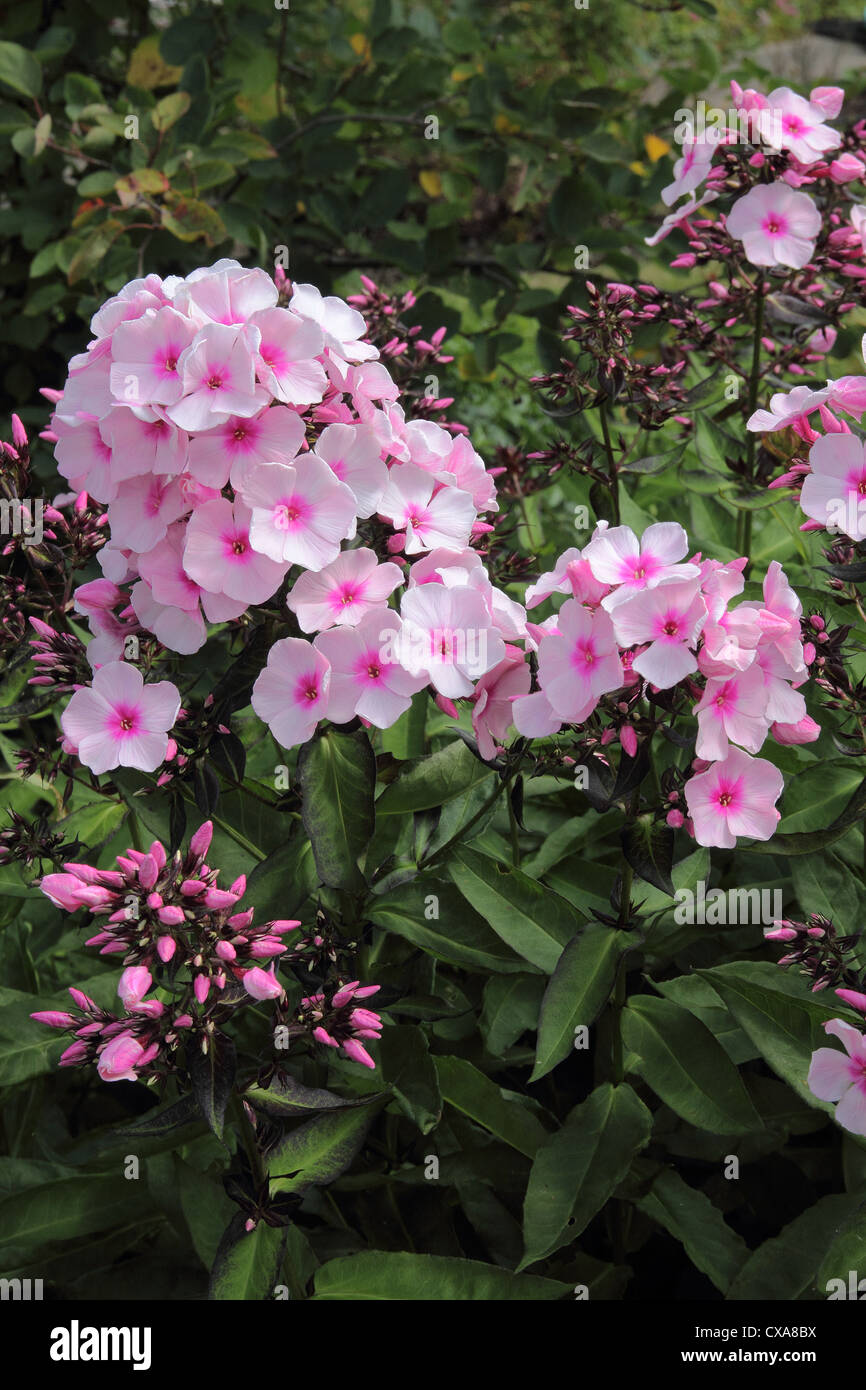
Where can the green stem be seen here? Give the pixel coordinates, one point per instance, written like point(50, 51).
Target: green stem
point(416, 726)
point(611, 461)
point(755, 375)
point(515, 834)
point(248, 1139)
point(491, 801)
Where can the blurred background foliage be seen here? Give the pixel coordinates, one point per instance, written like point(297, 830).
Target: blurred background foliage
point(462, 147)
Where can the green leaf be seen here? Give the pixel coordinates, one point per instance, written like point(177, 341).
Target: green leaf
point(576, 993)
point(785, 1266)
point(503, 1113)
point(847, 1249)
point(511, 1007)
point(247, 1263)
point(431, 914)
point(811, 841)
point(780, 1016)
point(212, 1074)
point(579, 1168)
point(20, 69)
point(191, 218)
point(689, 1215)
point(428, 782)
point(317, 1152)
point(170, 109)
point(409, 1070)
point(533, 920)
point(72, 1207)
point(287, 1099)
point(397, 1276)
point(649, 848)
point(680, 1059)
point(338, 776)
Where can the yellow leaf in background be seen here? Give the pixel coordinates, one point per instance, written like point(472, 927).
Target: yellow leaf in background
point(262, 106)
point(148, 69)
point(503, 125)
point(637, 168)
point(360, 44)
point(655, 147)
point(431, 183)
point(300, 207)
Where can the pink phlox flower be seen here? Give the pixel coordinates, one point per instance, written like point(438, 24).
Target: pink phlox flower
point(736, 796)
point(300, 512)
point(732, 708)
point(679, 216)
point(273, 436)
point(219, 556)
point(218, 375)
point(669, 618)
point(617, 557)
point(448, 636)
point(344, 591)
point(579, 663)
point(353, 454)
point(494, 697)
point(572, 574)
point(835, 489)
point(791, 122)
point(342, 326)
point(118, 721)
point(291, 693)
point(430, 518)
point(367, 677)
point(840, 1077)
point(286, 359)
point(145, 355)
point(690, 170)
point(776, 225)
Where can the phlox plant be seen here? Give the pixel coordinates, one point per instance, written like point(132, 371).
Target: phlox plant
point(407, 1002)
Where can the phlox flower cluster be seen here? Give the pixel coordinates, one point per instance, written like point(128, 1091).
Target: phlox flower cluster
point(783, 145)
point(180, 933)
point(829, 961)
point(829, 473)
point(244, 434)
point(640, 617)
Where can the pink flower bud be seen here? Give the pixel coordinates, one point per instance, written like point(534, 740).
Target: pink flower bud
point(201, 988)
point(165, 948)
point(358, 1053)
point(54, 1018)
point(134, 983)
point(854, 998)
point(200, 842)
point(117, 1061)
point(261, 984)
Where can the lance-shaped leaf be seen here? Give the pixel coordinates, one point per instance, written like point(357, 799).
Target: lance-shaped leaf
point(534, 921)
point(317, 1152)
point(576, 993)
point(686, 1067)
point(580, 1167)
point(338, 777)
point(786, 1266)
point(649, 849)
point(409, 1070)
point(428, 782)
point(689, 1215)
point(431, 913)
point(503, 1113)
point(247, 1263)
point(780, 1016)
point(398, 1276)
point(212, 1074)
point(288, 1098)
